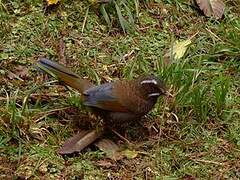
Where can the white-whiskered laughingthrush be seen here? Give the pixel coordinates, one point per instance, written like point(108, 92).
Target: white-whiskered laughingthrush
point(116, 102)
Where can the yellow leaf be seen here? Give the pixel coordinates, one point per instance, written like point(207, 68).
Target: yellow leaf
point(179, 48)
point(93, 2)
point(51, 2)
point(130, 154)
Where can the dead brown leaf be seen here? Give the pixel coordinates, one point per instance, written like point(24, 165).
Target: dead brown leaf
point(110, 148)
point(61, 50)
point(79, 141)
point(20, 72)
point(212, 8)
point(11, 75)
point(188, 177)
point(105, 163)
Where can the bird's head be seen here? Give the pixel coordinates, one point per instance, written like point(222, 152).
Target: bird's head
point(151, 87)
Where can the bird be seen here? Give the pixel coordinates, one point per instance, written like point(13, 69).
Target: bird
point(115, 102)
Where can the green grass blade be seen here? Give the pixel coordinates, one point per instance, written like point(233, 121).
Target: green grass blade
point(129, 13)
point(120, 18)
point(136, 3)
point(105, 15)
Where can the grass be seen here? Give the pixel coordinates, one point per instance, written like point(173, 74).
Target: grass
point(197, 130)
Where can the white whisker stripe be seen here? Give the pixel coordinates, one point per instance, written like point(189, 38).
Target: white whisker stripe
point(152, 81)
point(154, 94)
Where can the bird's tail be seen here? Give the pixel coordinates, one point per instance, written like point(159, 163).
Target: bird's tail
point(64, 74)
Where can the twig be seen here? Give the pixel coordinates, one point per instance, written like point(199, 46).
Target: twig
point(85, 20)
point(47, 113)
point(32, 95)
point(175, 116)
point(213, 34)
point(123, 138)
point(126, 56)
point(209, 162)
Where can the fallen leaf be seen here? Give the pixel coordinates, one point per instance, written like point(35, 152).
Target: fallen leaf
point(11, 75)
point(212, 8)
point(105, 163)
point(51, 2)
point(189, 177)
point(38, 132)
point(22, 71)
point(79, 141)
point(61, 50)
point(179, 48)
point(130, 154)
point(110, 148)
point(43, 168)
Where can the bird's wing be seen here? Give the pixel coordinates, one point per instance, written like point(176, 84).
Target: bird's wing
point(102, 97)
